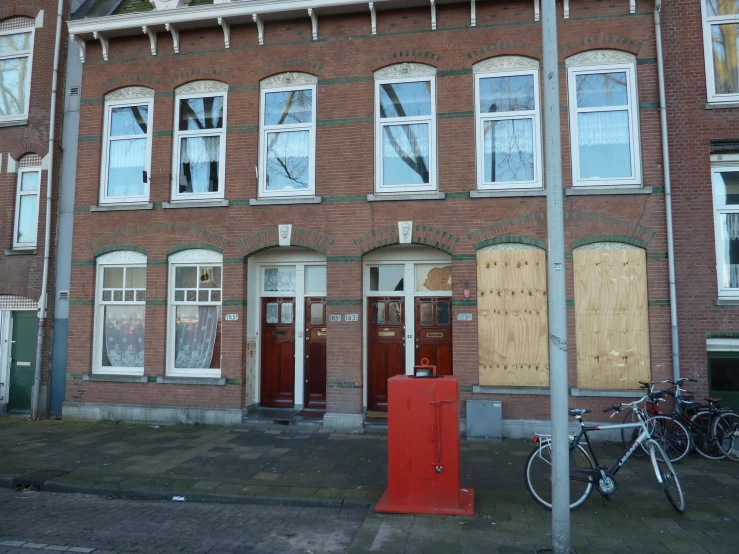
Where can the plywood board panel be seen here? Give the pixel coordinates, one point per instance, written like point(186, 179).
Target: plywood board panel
point(611, 318)
point(512, 318)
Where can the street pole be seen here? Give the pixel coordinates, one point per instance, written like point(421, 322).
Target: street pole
point(556, 280)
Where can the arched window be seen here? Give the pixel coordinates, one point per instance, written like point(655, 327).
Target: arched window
point(25, 234)
point(16, 55)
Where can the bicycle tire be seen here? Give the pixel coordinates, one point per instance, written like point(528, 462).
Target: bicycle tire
point(535, 471)
point(726, 432)
point(672, 436)
point(666, 476)
point(704, 442)
point(630, 434)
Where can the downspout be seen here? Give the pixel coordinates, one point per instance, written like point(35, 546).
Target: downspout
point(47, 236)
point(668, 193)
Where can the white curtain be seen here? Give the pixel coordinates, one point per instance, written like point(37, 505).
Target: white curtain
point(127, 153)
point(509, 136)
point(411, 141)
point(123, 332)
point(195, 336)
point(603, 128)
point(731, 226)
point(200, 150)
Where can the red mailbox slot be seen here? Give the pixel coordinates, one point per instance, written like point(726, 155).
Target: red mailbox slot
point(423, 448)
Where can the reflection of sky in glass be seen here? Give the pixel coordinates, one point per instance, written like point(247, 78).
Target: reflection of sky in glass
point(509, 150)
point(30, 181)
point(405, 99)
point(288, 160)
point(129, 120)
point(201, 113)
point(295, 106)
point(10, 44)
point(126, 166)
point(601, 90)
point(722, 7)
point(405, 154)
point(507, 94)
point(315, 280)
point(726, 187)
point(604, 144)
point(28, 219)
point(725, 41)
point(13, 82)
point(387, 278)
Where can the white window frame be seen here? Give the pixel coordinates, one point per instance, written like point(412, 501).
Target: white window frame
point(380, 123)
point(109, 105)
point(534, 115)
point(125, 259)
point(16, 222)
point(29, 54)
point(707, 22)
point(178, 135)
point(264, 130)
point(729, 163)
point(633, 115)
point(191, 258)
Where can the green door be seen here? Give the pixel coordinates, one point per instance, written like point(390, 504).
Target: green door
point(22, 361)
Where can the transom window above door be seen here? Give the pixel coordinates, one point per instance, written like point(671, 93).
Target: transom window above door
point(387, 278)
point(279, 279)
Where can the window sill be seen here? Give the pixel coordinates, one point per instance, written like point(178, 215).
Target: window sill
point(212, 381)
point(406, 196)
point(109, 378)
point(607, 393)
point(122, 207)
point(606, 189)
point(17, 123)
point(727, 302)
point(506, 193)
point(487, 389)
point(195, 204)
point(19, 252)
point(721, 105)
point(282, 201)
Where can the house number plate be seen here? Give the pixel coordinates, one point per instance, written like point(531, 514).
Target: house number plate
point(232, 317)
point(351, 317)
point(464, 317)
point(334, 317)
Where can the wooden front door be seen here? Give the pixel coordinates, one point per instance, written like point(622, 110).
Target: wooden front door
point(315, 353)
point(22, 361)
point(385, 347)
point(434, 333)
point(278, 353)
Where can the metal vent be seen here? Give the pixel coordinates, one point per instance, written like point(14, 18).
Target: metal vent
point(63, 295)
point(74, 91)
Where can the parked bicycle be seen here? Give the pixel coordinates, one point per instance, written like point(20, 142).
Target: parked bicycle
point(586, 473)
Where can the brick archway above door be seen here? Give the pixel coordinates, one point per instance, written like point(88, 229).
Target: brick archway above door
point(421, 234)
point(270, 238)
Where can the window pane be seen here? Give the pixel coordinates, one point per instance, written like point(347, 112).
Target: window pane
point(427, 313)
point(14, 43)
point(443, 313)
point(210, 277)
point(722, 7)
point(201, 113)
point(507, 94)
point(123, 336)
point(129, 120)
point(405, 154)
point(316, 313)
point(202, 296)
point(378, 313)
point(605, 145)
point(13, 81)
point(288, 160)
point(726, 187)
point(199, 163)
point(315, 280)
point(387, 278)
point(271, 316)
point(191, 295)
point(433, 278)
point(405, 99)
point(197, 336)
point(287, 312)
point(140, 296)
point(135, 277)
point(28, 219)
point(730, 248)
point(725, 48)
point(128, 296)
point(508, 152)
point(215, 296)
point(279, 279)
point(394, 312)
point(179, 295)
point(185, 277)
point(107, 296)
point(601, 89)
point(294, 106)
point(126, 166)
point(724, 375)
point(112, 277)
point(30, 181)
point(117, 296)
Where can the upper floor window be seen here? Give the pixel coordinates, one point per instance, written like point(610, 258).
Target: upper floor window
point(725, 176)
point(604, 118)
point(721, 49)
point(199, 141)
point(16, 54)
point(288, 135)
point(508, 123)
point(405, 128)
point(25, 227)
point(126, 158)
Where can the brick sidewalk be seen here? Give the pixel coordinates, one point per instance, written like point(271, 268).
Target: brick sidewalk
point(290, 465)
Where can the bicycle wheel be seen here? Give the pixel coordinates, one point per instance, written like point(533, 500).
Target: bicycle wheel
point(703, 438)
point(666, 476)
point(538, 474)
point(630, 434)
point(726, 431)
point(672, 436)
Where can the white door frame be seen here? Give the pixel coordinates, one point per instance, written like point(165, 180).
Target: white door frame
point(6, 332)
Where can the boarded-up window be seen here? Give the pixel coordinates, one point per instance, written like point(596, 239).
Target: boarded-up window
point(611, 316)
point(512, 316)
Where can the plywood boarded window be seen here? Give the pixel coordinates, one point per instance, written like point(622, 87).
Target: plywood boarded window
point(512, 316)
point(611, 316)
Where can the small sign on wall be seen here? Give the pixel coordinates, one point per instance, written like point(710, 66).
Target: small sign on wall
point(351, 317)
point(232, 317)
point(464, 317)
point(334, 317)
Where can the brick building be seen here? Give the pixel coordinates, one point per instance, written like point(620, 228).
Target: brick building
point(281, 205)
point(29, 38)
point(702, 100)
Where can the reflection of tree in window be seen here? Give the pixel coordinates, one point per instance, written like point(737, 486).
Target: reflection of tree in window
point(725, 58)
point(200, 154)
point(13, 74)
point(296, 107)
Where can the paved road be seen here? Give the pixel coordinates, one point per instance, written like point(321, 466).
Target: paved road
point(81, 523)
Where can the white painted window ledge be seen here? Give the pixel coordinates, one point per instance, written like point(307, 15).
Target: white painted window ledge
point(606, 189)
point(195, 204)
point(285, 201)
point(406, 196)
point(122, 207)
point(212, 381)
point(115, 378)
point(727, 302)
point(506, 193)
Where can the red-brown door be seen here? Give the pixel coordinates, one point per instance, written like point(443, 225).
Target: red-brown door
point(315, 353)
point(278, 353)
point(385, 348)
point(434, 333)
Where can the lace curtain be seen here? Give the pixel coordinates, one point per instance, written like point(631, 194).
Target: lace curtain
point(195, 336)
point(128, 153)
point(731, 234)
point(123, 336)
point(509, 136)
point(603, 128)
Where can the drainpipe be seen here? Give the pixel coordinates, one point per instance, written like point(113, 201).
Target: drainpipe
point(668, 193)
point(47, 236)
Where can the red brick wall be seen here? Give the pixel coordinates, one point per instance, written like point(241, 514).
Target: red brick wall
point(344, 60)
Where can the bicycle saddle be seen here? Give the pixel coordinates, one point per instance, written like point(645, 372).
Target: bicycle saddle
point(578, 411)
point(713, 399)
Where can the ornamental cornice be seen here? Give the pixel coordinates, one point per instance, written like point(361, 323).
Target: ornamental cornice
point(400, 70)
point(505, 63)
point(599, 57)
point(130, 93)
point(290, 79)
point(202, 87)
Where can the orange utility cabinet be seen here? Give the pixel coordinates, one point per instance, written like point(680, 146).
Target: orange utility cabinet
point(423, 448)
